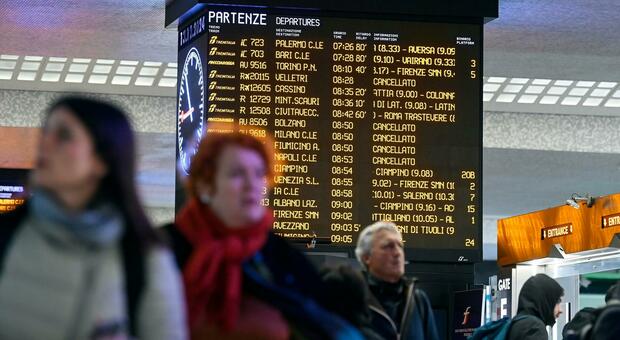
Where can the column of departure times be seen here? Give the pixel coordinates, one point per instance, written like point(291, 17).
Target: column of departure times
point(347, 111)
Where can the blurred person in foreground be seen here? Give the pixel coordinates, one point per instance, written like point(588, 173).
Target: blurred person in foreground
point(80, 260)
point(399, 310)
point(539, 306)
point(241, 280)
point(587, 316)
point(349, 297)
point(586, 319)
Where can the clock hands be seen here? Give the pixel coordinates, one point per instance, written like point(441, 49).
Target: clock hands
point(183, 115)
point(189, 103)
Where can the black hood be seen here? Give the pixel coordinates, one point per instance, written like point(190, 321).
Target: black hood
point(538, 297)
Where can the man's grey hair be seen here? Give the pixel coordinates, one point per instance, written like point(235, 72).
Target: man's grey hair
point(364, 242)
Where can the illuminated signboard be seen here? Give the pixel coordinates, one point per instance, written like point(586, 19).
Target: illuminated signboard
point(372, 119)
point(12, 189)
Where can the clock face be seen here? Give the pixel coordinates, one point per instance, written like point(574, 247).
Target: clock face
point(190, 113)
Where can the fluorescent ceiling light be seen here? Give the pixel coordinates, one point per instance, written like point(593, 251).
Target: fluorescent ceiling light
point(172, 72)
point(129, 62)
point(126, 70)
point(600, 92)
point(519, 80)
point(168, 82)
point(534, 89)
point(6, 75)
point(592, 102)
point(144, 81)
point(30, 66)
point(121, 80)
point(7, 65)
point(149, 71)
point(50, 77)
point(549, 100)
point(506, 98)
point(527, 99)
point(607, 84)
point(583, 83)
point(26, 76)
point(74, 78)
point(513, 88)
point(496, 79)
point(54, 67)
point(613, 103)
point(105, 61)
point(105, 69)
point(557, 90)
point(78, 68)
point(97, 79)
point(578, 91)
point(571, 101)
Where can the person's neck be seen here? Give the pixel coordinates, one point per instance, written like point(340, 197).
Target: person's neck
point(76, 199)
point(386, 279)
point(231, 221)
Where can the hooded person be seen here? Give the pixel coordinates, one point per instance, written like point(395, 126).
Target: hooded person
point(539, 306)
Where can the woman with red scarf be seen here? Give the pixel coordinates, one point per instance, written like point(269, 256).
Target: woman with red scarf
point(241, 280)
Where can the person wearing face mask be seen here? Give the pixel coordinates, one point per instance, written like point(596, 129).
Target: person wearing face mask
point(80, 260)
point(539, 307)
point(241, 280)
point(399, 309)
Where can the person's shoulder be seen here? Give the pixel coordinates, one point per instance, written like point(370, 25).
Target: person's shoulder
point(160, 263)
point(9, 223)
point(418, 292)
point(528, 321)
point(178, 243)
point(527, 327)
point(278, 246)
point(276, 240)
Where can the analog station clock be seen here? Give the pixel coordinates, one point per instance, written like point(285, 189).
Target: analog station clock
point(190, 122)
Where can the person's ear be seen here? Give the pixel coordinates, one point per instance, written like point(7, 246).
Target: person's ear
point(205, 191)
point(366, 259)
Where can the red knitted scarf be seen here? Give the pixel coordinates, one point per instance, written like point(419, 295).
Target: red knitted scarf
point(213, 273)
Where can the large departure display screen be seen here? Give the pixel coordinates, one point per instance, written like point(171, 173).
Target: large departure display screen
point(372, 119)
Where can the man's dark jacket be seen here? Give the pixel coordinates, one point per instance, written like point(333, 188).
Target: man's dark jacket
point(417, 321)
point(537, 301)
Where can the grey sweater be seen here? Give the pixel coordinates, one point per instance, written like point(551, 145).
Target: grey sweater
point(54, 287)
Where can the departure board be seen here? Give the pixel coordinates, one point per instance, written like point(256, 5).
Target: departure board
point(372, 119)
point(13, 191)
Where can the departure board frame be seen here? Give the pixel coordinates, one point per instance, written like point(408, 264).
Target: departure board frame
point(193, 33)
